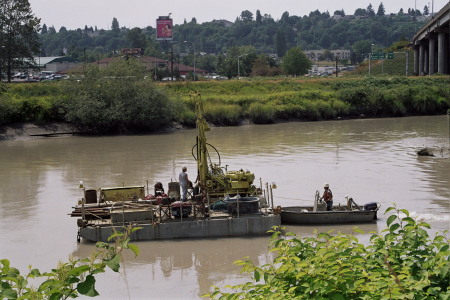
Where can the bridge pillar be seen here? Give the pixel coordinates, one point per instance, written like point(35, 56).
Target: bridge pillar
point(442, 53)
point(426, 60)
point(416, 60)
point(431, 55)
point(421, 59)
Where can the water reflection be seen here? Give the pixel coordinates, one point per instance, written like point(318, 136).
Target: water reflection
point(193, 266)
point(197, 264)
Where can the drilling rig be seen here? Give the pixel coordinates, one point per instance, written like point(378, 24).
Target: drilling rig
point(214, 179)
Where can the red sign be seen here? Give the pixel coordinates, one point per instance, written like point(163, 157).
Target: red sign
point(164, 28)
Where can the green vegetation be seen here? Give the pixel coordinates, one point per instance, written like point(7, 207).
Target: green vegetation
point(268, 101)
point(116, 100)
point(403, 262)
point(265, 33)
point(295, 62)
point(19, 36)
point(69, 279)
point(402, 64)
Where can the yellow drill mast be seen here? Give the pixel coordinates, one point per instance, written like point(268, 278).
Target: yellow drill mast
point(212, 178)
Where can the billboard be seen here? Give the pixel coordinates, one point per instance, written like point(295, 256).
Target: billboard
point(164, 28)
point(132, 51)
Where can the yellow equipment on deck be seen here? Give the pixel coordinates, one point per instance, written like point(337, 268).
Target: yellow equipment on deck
point(214, 179)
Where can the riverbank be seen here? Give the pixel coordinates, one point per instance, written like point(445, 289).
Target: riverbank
point(226, 103)
point(30, 130)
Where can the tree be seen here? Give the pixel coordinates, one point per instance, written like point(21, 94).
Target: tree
point(370, 11)
point(360, 12)
point(51, 30)
point(285, 17)
point(295, 62)
point(19, 35)
point(361, 49)
point(281, 43)
point(426, 11)
point(264, 66)
point(44, 29)
point(115, 25)
point(339, 13)
point(258, 17)
point(381, 10)
point(246, 16)
point(136, 38)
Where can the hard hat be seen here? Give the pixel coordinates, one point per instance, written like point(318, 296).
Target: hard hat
point(326, 185)
point(184, 168)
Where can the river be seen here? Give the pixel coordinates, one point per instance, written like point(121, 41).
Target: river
point(371, 160)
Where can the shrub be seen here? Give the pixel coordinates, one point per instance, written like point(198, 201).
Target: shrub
point(8, 110)
point(261, 114)
point(358, 98)
point(403, 262)
point(116, 99)
point(223, 114)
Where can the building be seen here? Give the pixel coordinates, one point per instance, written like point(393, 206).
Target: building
point(339, 53)
point(57, 64)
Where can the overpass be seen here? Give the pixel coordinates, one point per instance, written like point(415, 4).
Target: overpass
point(432, 45)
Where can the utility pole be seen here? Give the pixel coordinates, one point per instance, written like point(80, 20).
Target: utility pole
point(337, 69)
point(407, 63)
point(171, 62)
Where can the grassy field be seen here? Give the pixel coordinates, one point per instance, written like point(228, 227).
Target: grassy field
point(401, 65)
point(267, 101)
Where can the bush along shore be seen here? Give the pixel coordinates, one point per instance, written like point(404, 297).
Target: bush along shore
point(103, 102)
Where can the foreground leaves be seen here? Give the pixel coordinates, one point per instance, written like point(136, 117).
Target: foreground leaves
point(403, 262)
point(69, 279)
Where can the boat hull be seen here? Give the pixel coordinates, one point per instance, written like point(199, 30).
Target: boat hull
point(196, 228)
point(305, 215)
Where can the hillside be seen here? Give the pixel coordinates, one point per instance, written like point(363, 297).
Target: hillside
point(260, 34)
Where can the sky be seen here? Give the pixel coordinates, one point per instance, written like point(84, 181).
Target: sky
point(74, 14)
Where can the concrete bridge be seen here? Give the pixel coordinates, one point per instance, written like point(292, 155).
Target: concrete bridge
point(432, 45)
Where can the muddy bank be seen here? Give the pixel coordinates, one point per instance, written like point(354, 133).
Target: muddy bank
point(30, 130)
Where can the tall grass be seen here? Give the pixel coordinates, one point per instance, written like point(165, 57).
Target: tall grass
point(229, 102)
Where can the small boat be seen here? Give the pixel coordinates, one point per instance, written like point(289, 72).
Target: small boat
point(318, 215)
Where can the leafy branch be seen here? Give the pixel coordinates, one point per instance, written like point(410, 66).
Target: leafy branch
point(402, 262)
point(69, 279)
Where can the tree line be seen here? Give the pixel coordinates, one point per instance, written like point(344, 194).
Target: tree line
point(214, 46)
point(318, 30)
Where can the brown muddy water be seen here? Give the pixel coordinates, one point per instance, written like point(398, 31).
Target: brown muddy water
point(371, 160)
